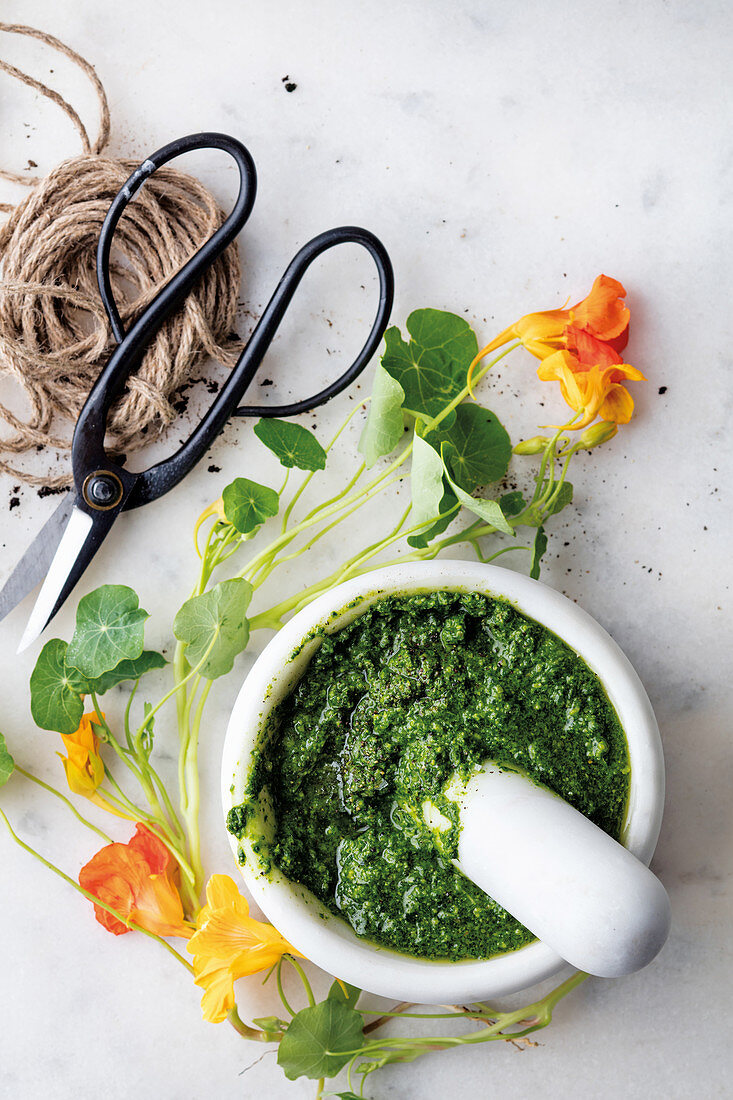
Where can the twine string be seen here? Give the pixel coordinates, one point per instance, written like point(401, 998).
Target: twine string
point(54, 334)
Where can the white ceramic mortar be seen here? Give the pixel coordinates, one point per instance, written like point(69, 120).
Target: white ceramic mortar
point(328, 940)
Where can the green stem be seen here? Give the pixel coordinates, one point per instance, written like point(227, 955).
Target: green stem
point(306, 984)
point(431, 424)
point(64, 799)
point(281, 991)
point(128, 731)
point(193, 787)
point(283, 487)
point(307, 480)
point(250, 1032)
point(135, 813)
point(342, 504)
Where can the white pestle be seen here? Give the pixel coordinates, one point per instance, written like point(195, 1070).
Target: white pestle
point(578, 890)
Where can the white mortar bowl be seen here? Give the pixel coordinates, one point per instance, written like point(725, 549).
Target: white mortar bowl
point(329, 941)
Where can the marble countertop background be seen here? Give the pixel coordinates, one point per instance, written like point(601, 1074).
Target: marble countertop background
point(506, 152)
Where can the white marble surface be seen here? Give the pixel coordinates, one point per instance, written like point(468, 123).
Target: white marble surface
point(506, 152)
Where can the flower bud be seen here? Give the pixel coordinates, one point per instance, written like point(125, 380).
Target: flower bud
point(598, 433)
point(531, 446)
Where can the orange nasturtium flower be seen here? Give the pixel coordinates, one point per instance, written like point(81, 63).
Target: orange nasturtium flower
point(140, 880)
point(229, 944)
point(579, 348)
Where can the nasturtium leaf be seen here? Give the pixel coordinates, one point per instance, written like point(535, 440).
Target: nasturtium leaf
point(432, 367)
point(293, 444)
point(128, 670)
point(215, 625)
point(564, 497)
point(247, 504)
point(426, 480)
point(447, 510)
point(347, 994)
point(320, 1040)
point(487, 510)
point(540, 545)
point(56, 690)
point(7, 764)
point(346, 1095)
point(109, 628)
point(512, 503)
point(385, 422)
point(477, 447)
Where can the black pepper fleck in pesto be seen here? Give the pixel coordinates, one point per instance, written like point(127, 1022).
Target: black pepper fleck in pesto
point(415, 689)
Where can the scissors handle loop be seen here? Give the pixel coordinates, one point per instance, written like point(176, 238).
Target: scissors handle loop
point(130, 490)
point(162, 477)
point(87, 451)
point(270, 321)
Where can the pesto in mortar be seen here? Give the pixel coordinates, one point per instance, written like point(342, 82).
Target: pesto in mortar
point(417, 688)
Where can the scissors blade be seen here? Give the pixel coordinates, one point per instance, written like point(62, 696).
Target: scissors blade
point(35, 562)
point(79, 543)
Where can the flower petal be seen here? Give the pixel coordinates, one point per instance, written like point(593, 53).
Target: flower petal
point(618, 405)
point(138, 879)
point(222, 890)
point(603, 312)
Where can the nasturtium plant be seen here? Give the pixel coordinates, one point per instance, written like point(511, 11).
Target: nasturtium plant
point(247, 504)
point(320, 1040)
point(538, 550)
point(563, 498)
point(7, 764)
point(455, 448)
point(385, 422)
point(426, 481)
point(293, 444)
point(128, 670)
point(477, 447)
point(343, 991)
point(57, 690)
point(214, 627)
point(110, 625)
point(432, 367)
point(488, 510)
point(512, 503)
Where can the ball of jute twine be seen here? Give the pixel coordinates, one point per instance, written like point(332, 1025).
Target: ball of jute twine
point(54, 334)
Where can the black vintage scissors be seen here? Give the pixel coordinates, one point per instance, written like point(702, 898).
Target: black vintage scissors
point(71, 537)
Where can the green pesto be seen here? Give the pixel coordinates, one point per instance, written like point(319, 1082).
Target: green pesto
point(390, 707)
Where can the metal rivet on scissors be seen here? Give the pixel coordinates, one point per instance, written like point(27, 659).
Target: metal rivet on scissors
point(71, 537)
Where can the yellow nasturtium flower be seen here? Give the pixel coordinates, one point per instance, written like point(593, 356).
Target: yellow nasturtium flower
point(83, 765)
point(229, 944)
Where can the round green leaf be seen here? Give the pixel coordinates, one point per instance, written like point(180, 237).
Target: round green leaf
point(109, 628)
point(7, 764)
point(128, 670)
point(215, 625)
point(342, 991)
point(477, 447)
point(56, 690)
point(293, 444)
point(320, 1040)
point(432, 368)
point(247, 504)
